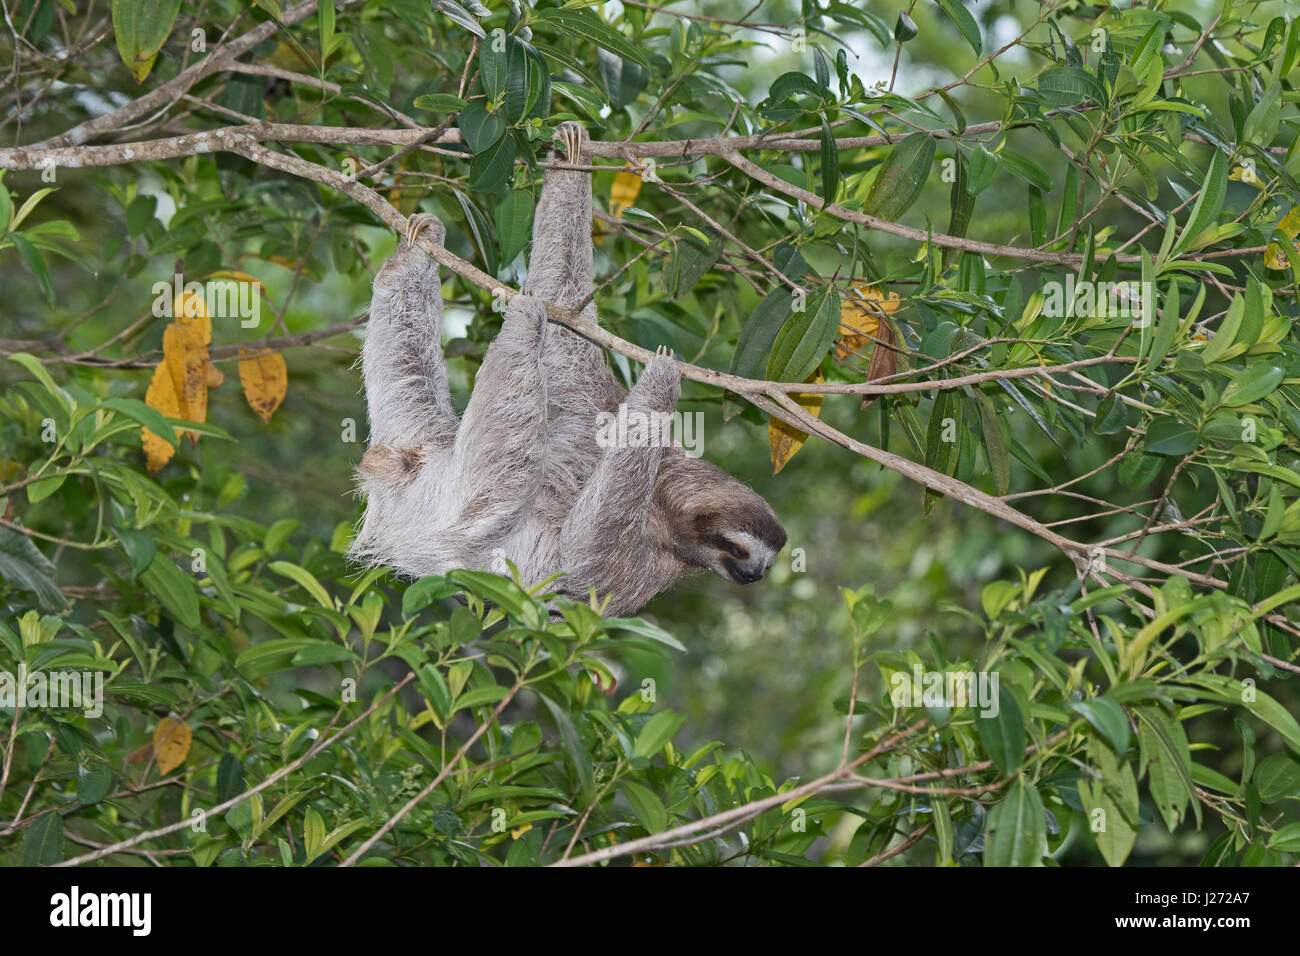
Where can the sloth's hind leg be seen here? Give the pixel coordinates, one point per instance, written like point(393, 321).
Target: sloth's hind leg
point(498, 460)
point(405, 375)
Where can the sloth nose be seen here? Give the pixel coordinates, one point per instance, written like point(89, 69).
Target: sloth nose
point(746, 573)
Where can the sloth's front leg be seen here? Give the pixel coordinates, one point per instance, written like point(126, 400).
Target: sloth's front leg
point(605, 536)
point(405, 375)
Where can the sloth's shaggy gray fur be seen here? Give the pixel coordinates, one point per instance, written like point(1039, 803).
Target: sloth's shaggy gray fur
point(521, 475)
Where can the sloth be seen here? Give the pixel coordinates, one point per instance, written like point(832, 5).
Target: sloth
point(522, 475)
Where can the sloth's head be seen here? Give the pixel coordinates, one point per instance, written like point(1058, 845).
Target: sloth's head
point(719, 524)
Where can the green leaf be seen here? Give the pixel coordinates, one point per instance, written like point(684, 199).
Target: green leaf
point(489, 169)
point(1170, 436)
point(1110, 802)
point(35, 264)
point(141, 28)
point(1017, 828)
point(691, 258)
point(1205, 777)
point(514, 220)
point(1261, 125)
point(647, 806)
point(1208, 204)
point(479, 696)
point(174, 589)
point(1167, 325)
point(1168, 764)
point(1003, 735)
point(804, 340)
point(494, 66)
point(480, 128)
point(43, 843)
point(984, 168)
point(656, 732)
point(93, 784)
point(830, 157)
point(636, 625)
point(502, 592)
point(1027, 169)
point(313, 823)
point(995, 444)
point(6, 208)
point(319, 653)
point(425, 591)
point(458, 14)
point(757, 335)
point(943, 830)
point(1068, 85)
point(150, 418)
point(571, 744)
point(1136, 469)
point(306, 579)
point(1287, 839)
point(1113, 415)
point(1108, 718)
point(1256, 701)
point(325, 19)
point(139, 548)
point(959, 15)
point(440, 103)
point(34, 366)
point(1252, 385)
point(623, 79)
point(1226, 334)
point(1277, 776)
point(230, 777)
point(435, 688)
point(23, 566)
point(587, 26)
point(901, 178)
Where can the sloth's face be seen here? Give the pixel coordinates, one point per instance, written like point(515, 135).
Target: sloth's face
point(721, 524)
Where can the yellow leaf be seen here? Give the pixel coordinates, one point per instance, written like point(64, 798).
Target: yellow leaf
point(1290, 223)
point(234, 275)
point(627, 186)
point(265, 378)
point(860, 317)
point(1289, 226)
point(1246, 174)
point(785, 439)
point(179, 388)
point(171, 744)
point(1275, 257)
point(517, 832)
point(191, 309)
point(163, 398)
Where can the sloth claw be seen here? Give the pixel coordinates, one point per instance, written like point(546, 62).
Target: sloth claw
point(421, 221)
point(572, 136)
